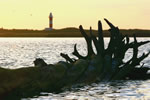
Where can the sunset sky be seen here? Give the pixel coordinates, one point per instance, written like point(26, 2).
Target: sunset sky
point(33, 14)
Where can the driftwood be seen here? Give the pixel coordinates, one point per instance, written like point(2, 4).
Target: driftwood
point(112, 57)
point(106, 64)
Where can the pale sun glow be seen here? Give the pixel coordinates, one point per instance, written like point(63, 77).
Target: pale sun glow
point(33, 14)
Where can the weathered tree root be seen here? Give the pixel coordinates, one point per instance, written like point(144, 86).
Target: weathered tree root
point(110, 60)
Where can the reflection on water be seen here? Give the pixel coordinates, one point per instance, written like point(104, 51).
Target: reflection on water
point(21, 52)
point(118, 90)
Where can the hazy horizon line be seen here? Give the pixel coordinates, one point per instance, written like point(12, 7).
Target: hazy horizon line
point(68, 28)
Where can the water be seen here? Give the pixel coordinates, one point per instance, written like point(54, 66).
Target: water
point(118, 90)
point(21, 52)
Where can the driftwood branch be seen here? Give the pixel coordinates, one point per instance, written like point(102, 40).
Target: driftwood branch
point(101, 39)
point(76, 53)
point(67, 57)
point(88, 41)
point(95, 41)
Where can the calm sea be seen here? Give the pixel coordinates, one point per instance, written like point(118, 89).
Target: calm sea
point(21, 52)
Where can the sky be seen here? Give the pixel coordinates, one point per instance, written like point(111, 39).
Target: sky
point(33, 14)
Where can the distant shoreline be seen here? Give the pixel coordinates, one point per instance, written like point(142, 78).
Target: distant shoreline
point(67, 32)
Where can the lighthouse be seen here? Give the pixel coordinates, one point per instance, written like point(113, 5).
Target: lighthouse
point(50, 21)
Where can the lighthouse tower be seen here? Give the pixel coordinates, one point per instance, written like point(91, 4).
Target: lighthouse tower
point(50, 21)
